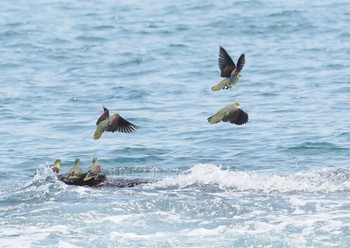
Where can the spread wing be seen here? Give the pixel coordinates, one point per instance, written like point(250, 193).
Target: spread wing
point(240, 63)
point(237, 116)
point(119, 124)
point(225, 63)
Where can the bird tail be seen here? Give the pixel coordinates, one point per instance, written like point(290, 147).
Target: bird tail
point(214, 119)
point(88, 176)
point(220, 85)
point(73, 175)
point(98, 132)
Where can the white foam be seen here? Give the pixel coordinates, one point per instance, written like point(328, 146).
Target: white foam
point(44, 173)
point(209, 174)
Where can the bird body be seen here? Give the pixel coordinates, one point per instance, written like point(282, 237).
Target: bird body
point(94, 170)
point(112, 123)
point(229, 70)
point(76, 171)
point(56, 166)
point(231, 113)
point(226, 83)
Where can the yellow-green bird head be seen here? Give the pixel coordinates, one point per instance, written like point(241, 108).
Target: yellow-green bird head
point(236, 104)
point(95, 160)
point(56, 166)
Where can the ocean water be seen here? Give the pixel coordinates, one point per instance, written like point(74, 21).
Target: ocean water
point(281, 180)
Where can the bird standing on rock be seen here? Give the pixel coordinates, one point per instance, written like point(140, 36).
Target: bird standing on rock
point(56, 166)
point(94, 170)
point(112, 123)
point(76, 171)
point(229, 70)
point(231, 113)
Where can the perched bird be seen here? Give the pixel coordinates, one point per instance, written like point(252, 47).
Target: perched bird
point(76, 171)
point(93, 171)
point(231, 113)
point(112, 123)
point(229, 70)
point(56, 166)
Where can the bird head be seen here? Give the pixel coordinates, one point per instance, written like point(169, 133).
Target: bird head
point(77, 161)
point(239, 75)
point(56, 166)
point(94, 160)
point(236, 104)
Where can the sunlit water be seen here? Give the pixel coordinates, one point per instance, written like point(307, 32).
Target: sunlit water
point(282, 180)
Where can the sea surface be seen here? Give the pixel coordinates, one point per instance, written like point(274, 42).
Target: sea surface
point(281, 180)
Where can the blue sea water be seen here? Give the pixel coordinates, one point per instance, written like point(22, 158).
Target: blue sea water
point(281, 180)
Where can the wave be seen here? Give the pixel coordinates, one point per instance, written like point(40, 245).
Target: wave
point(325, 180)
point(200, 177)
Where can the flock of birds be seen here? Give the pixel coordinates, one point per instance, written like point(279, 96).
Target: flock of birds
point(231, 72)
point(231, 113)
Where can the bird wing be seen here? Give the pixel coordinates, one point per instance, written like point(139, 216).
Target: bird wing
point(240, 63)
point(225, 63)
point(237, 116)
point(119, 124)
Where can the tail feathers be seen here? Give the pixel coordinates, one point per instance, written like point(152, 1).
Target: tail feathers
point(74, 176)
point(98, 132)
point(89, 176)
point(221, 85)
point(214, 119)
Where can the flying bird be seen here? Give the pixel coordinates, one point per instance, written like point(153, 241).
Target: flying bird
point(229, 70)
point(231, 113)
point(76, 171)
point(94, 170)
point(112, 123)
point(56, 166)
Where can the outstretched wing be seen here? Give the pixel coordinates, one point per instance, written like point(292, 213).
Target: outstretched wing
point(237, 116)
point(225, 63)
point(119, 124)
point(240, 63)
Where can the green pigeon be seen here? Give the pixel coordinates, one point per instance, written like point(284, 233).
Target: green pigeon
point(231, 113)
point(93, 171)
point(112, 123)
point(76, 171)
point(229, 70)
point(56, 166)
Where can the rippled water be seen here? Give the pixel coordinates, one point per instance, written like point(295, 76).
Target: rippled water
point(282, 180)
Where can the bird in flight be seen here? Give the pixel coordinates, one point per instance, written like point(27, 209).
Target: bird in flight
point(231, 113)
point(229, 70)
point(112, 123)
